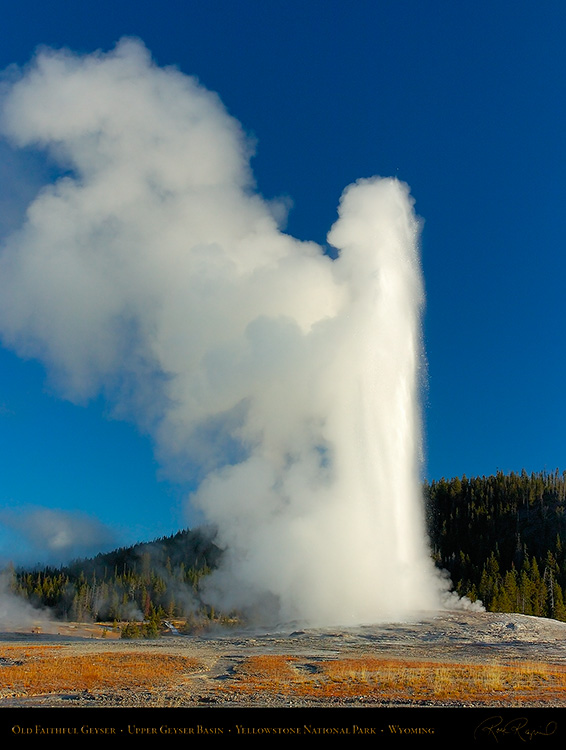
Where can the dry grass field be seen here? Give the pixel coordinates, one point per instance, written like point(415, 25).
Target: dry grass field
point(458, 660)
point(43, 670)
point(396, 681)
point(164, 679)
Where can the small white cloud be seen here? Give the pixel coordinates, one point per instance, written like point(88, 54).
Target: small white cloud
point(45, 535)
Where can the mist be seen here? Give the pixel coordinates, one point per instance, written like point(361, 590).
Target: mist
point(16, 612)
point(282, 384)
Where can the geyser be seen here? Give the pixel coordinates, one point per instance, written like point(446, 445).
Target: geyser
point(282, 383)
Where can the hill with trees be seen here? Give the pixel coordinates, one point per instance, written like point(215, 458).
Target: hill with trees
point(148, 582)
point(500, 538)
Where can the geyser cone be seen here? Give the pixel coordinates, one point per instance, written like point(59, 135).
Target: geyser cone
point(281, 383)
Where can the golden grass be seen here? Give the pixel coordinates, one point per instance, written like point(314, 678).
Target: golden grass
point(388, 680)
point(40, 670)
point(268, 668)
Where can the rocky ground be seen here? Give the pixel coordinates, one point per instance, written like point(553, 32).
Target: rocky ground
point(452, 637)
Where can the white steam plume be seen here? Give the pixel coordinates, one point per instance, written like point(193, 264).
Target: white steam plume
point(286, 382)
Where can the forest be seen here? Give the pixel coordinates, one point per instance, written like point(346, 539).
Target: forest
point(499, 538)
point(145, 584)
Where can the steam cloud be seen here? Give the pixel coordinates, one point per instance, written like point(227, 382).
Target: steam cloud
point(285, 383)
point(15, 612)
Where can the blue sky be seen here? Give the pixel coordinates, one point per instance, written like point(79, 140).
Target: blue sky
point(463, 101)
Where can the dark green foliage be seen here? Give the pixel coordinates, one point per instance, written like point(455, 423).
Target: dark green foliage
point(149, 628)
point(501, 539)
point(146, 582)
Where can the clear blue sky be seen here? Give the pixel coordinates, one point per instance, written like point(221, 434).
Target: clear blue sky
point(463, 101)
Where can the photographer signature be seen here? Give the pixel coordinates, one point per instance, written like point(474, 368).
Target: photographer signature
point(495, 727)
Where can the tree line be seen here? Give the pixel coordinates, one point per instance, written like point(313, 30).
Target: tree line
point(500, 538)
point(147, 583)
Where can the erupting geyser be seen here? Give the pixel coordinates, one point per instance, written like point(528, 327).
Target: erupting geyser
point(283, 383)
